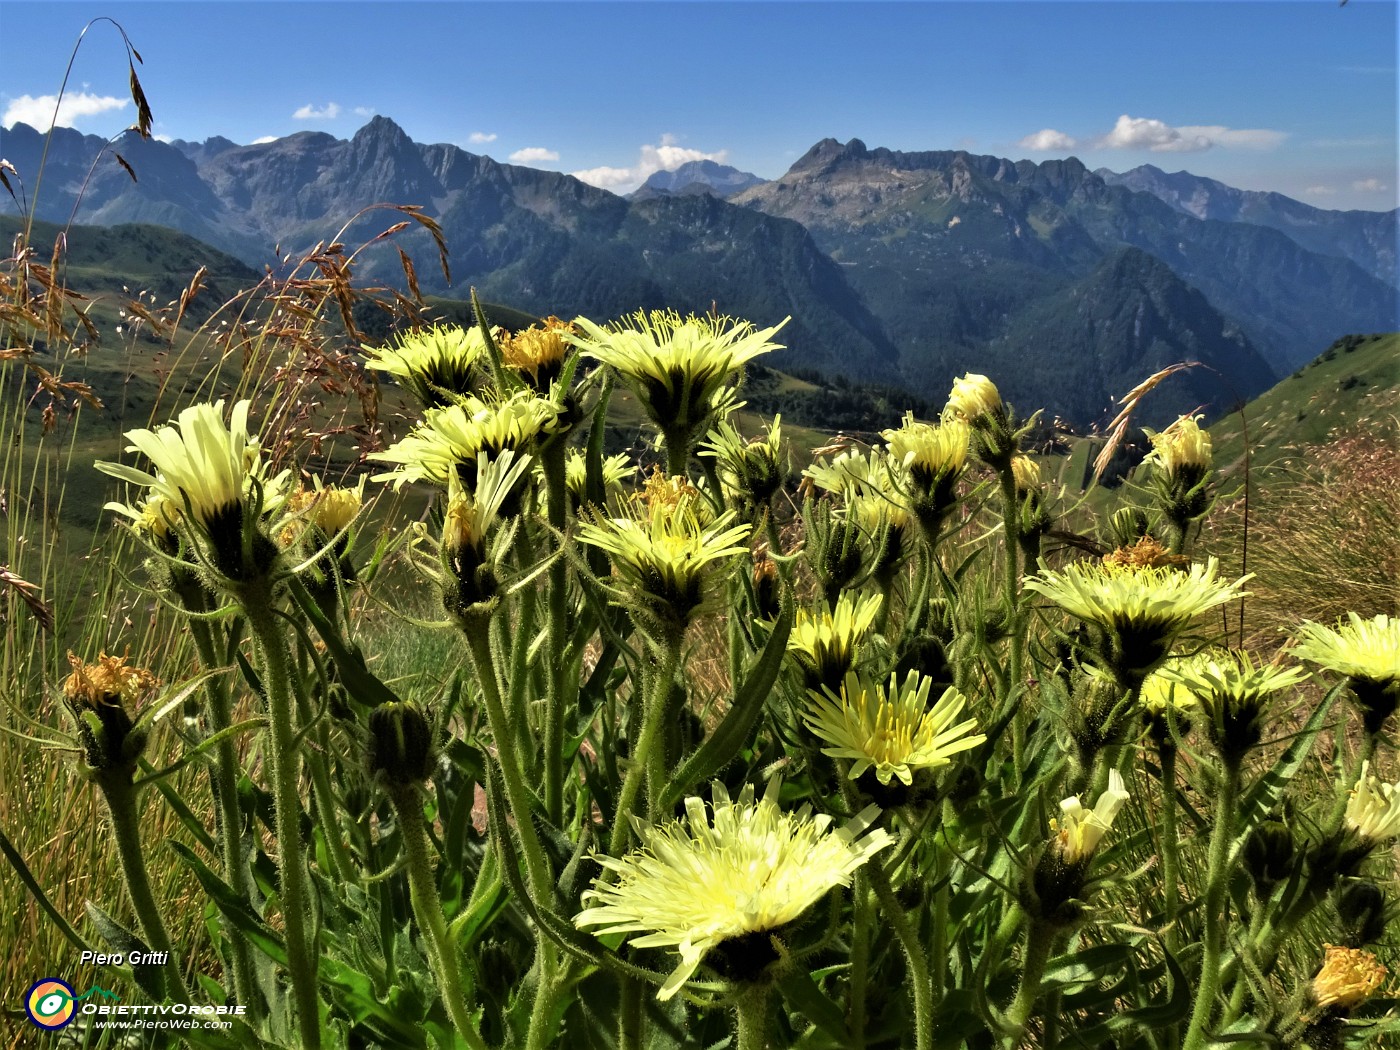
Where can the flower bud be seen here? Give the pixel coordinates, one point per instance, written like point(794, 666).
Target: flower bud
point(1269, 856)
point(974, 398)
point(1362, 911)
point(400, 744)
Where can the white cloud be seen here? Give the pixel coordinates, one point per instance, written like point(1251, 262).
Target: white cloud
point(1368, 186)
point(479, 138)
point(665, 157)
point(1153, 135)
point(1234, 138)
point(533, 155)
point(37, 112)
point(605, 178)
point(1320, 191)
point(162, 138)
point(1157, 136)
point(264, 140)
point(1048, 140)
point(362, 111)
point(310, 112)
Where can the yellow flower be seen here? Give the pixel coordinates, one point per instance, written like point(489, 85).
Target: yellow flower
point(1182, 448)
point(749, 470)
point(469, 516)
point(824, 643)
point(891, 730)
point(677, 366)
point(201, 464)
point(974, 397)
point(616, 470)
point(1026, 472)
point(1232, 691)
point(1364, 649)
point(744, 868)
point(1142, 609)
point(1160, 692)
point(853, 474)
point(108, 681)
point(1218, 676)
point(929, 453)
point(450, 439)
point(1373, 810)
point(435, 363)
point(539, 351)
point(329, 510)
point(1078, 832)
point(1349, 976)
point(662, 553)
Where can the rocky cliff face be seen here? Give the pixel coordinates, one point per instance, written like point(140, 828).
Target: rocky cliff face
point(1366, 238)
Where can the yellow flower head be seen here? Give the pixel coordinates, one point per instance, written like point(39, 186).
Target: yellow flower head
point(1183, 448)
point(1161, 692)
point(974, 397)
point(539, 351)
point(1143, 610)
point(890, 730)
point(1146, 553)
point(1359, 649)
point(1349, 976)
point(450, 439)
point(1373, 810)
point(108, 681)
point(97, 696)
point(663, 553)
point(328, 510)
point(929, 453)
point(749, 470)
point(1079, 831)
point(470, 515)
point(824, 643)
point(436, 363)
point(853, 474)
point(616, 470)
point(677, 366)
point(1215, 677)
point(201, 463)
point(746, 867)
point(1026, 472)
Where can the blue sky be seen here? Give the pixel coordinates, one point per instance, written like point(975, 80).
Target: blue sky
point(1298, 97)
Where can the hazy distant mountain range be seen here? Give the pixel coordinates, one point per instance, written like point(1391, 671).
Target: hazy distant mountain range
point(899, 267)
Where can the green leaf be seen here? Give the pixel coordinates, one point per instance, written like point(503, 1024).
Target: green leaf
point(41, 898)
point(358, 679)
point(801, 993)
point(234, 908)
point(1265, 794)
point(150, 979)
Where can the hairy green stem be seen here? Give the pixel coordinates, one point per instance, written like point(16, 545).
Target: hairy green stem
point(630, 1028)
point(556, 498)
point(1171, 858)
point(1218, 875)
point(427, 909)
point(752, 1004)
point(862, 915)
point(120, 794)
point(301, 960)
point(908, 938)
point(224, 777)
point(1011, 524)
point(1040, 938)
point(645, 760)
point(517, 794)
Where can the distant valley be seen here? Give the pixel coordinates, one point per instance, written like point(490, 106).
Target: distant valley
point(1069, 286)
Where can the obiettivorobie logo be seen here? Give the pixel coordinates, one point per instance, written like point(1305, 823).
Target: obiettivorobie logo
point(52, 1004)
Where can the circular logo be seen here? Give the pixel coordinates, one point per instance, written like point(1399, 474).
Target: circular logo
point(49, 1003)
